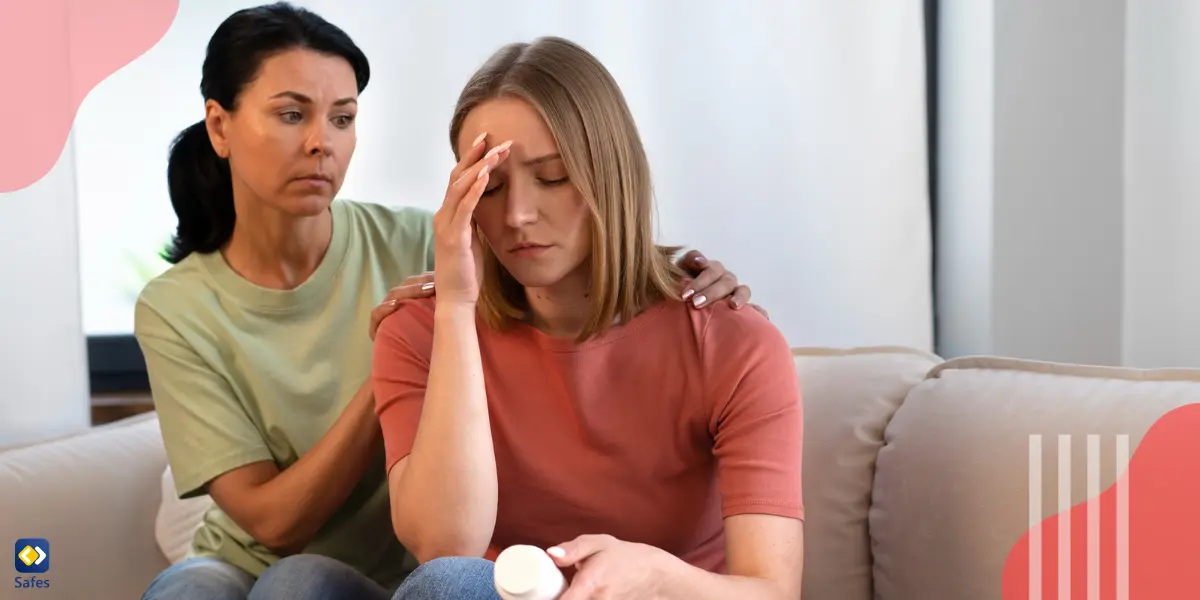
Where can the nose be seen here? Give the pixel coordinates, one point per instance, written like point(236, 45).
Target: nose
point(521, 208)
point(317, 142)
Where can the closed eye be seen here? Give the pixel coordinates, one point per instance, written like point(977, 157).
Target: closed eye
point(553, 181)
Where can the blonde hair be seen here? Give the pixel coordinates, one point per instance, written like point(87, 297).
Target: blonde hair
point(605, 160)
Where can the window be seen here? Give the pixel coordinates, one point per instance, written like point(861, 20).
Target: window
point(788, 141)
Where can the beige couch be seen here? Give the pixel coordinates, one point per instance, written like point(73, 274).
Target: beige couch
point(916, 474)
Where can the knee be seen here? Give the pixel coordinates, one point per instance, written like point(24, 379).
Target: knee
point(302, 576)
point(304, 566)
point(201, 578)
point(458, 578)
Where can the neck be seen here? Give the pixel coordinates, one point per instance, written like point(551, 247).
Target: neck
point(561, 309)
point(275, 250)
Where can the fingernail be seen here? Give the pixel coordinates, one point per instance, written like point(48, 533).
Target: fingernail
point(391, 303)
point(701, 260)
point(688, 294)
point(479, 140)
point(557, 552)
point(498, 149)
point(737, 304)
point(698, 300)
point(427, 286)
point(483, 172)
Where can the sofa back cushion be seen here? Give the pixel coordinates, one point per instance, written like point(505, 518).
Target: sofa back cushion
point(953, 491)
point(93, 497)
point(849, 397)
point(177, 520)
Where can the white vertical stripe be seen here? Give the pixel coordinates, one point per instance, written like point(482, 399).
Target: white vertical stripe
point(1035, 517)
point(1093, 517)
point(1122, 541)
point(1064, 516)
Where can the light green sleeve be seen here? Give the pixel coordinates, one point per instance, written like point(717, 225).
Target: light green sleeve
point(205, 429)
point(417, 222)
point(429, 253)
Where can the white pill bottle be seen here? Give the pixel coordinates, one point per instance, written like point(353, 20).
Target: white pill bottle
point(528, 573)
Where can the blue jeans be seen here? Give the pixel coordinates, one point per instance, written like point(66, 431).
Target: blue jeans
point(450, 579)
point(297, 577)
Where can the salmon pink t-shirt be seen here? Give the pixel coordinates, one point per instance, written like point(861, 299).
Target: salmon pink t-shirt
point(652, 432)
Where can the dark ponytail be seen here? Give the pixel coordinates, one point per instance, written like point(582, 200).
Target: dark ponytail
point(200, 181)
point(201, 190)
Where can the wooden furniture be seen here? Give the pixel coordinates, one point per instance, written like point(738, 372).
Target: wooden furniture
point(107, 408)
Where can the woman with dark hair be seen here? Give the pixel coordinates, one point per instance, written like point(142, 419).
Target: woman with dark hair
point(258, 339)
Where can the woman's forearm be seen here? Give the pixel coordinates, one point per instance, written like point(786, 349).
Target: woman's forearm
point(288, 508)
point(681, 581)
point(447, 492)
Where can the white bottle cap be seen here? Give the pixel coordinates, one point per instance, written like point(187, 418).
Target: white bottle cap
point(528, 573)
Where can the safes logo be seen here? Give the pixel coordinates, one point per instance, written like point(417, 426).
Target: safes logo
point(31, 556)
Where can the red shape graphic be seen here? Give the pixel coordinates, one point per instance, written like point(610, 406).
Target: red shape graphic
point(1163, 493)
point(52, 53)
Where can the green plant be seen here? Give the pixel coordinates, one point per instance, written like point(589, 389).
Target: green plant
point(138, 268)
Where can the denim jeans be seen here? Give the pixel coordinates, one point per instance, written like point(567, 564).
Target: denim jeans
point(298, 577)
point(450, 579)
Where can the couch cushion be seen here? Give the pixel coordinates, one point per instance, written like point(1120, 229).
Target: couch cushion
point(952, 490)
point(93, 496)
point(177, 520)
point(849, 397)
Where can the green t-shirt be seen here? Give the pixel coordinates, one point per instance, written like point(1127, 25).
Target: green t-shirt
point(241, 373)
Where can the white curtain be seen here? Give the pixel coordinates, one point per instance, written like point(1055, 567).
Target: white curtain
point(1068, 196)
point(43, 357)
point(787, 140)
point(1162, 185)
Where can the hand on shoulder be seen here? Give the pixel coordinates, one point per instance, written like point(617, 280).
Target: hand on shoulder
point(709, 282)
point(412, 288)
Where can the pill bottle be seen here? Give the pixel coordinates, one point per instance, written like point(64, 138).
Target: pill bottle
point(528, 573)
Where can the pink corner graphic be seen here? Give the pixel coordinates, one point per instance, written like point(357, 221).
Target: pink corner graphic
point(1147, 526)
point(52, 53)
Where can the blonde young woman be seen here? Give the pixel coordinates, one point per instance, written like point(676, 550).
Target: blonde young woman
point(558, 391)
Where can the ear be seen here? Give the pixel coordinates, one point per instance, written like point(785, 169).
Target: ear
point(216, 120)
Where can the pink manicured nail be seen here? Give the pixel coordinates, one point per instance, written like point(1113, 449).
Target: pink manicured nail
point(483, 172)
point(498, 149)
point(557, 552)
point(479, 140)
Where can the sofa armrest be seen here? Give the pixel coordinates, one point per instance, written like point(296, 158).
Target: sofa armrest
point(94, 497)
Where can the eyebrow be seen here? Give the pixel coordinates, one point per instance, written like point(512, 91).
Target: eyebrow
point(298, 97)
point(542, 159)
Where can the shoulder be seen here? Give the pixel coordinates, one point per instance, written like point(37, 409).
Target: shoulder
point(722, 328)
point(409, 328)
point(170, 296)
point(398, 238)
point(742, 350)
point(391, 222)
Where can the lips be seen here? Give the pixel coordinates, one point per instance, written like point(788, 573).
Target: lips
point(324, 178)
point(527, 246)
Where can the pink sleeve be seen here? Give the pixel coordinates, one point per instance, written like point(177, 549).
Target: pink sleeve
point(757, 420)
point(400, 371)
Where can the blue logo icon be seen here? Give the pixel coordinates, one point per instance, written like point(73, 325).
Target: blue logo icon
point(32, 555)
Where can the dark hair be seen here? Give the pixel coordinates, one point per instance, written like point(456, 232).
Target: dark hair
point(199, 180)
